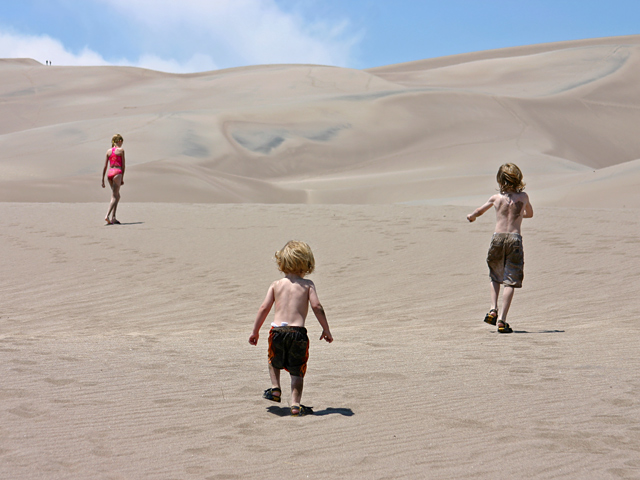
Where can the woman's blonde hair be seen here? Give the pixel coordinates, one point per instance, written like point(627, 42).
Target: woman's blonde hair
point(115, 139)
point(296, 258)
point(509, 178)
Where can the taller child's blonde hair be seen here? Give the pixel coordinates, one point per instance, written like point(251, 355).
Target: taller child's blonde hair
point(115, 139)
point(296, 258)
point(509, 178)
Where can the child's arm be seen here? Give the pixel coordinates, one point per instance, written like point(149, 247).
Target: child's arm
point(263, 311)
point(480, 210)
point(319, 313)
point(528, 210)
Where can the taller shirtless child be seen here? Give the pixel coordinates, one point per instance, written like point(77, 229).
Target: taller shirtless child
point(506, 254)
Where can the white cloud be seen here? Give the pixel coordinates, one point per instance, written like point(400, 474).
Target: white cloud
point(247, 31)
point(183, 36)
point(197, 63)
point(43, 48)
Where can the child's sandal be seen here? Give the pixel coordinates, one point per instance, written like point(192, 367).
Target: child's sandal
point(492, 317)
point(504, 328)
point(272, 394)
point(300, 411)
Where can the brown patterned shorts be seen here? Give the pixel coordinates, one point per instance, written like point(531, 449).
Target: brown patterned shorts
point(506, 259)
point(289, 349)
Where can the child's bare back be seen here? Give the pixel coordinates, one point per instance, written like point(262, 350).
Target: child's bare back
point(292, 296)
point(511, 208)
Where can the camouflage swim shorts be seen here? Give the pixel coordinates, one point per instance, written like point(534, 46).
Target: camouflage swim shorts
point(506, 259)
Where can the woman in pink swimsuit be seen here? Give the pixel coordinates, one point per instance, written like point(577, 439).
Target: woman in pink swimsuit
point(115, 162)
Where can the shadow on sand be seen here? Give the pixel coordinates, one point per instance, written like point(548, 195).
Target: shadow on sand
point(286, 412)
point(540, 331)
point(122, 223)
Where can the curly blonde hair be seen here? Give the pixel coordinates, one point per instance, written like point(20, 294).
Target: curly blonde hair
point(115, 139)
point(295, 258)
point(509, 178)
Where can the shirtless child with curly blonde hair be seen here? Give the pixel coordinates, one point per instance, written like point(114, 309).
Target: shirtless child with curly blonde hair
point(506, 254)
point(288, 341)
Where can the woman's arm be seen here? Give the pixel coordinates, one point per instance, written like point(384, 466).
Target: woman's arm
point(122, 182)
point(104, 170)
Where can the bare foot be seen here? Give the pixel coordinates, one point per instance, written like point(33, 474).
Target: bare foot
point(107, 220)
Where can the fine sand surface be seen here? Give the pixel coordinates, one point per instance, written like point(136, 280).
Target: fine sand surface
point(124, 349)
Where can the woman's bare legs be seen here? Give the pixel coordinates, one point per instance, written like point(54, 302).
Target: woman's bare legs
point(115, 198)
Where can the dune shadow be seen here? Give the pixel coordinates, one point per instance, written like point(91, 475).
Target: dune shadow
point(286, 411)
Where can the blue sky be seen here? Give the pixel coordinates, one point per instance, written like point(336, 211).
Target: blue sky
point(197, 35)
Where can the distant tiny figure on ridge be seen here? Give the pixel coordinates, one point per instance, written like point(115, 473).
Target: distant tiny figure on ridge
point(506, 253)
point(116, 164)
point(288, 340)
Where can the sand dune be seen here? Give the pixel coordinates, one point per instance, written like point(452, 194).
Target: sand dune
point(420, 132)
point(123, 349)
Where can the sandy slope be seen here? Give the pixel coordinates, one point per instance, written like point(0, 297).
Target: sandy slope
point(124, 349)
point(432, 131)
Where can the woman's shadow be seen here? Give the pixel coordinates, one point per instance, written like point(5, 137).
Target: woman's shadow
point(286, 412)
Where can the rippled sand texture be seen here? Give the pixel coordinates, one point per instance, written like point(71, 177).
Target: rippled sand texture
point(124, 349)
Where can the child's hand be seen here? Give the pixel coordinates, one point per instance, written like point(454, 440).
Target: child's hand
point(471, 217)
point(103, 183)
point(253, 339)
point(326, 336)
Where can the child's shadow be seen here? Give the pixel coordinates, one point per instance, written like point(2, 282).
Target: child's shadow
point(286, 411)
point(540, 331)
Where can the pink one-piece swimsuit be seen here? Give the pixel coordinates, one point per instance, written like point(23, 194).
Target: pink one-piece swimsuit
point(115, 164)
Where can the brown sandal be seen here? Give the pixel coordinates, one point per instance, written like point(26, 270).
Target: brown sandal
point(272, 394)
point(300, 411)
point(504, 327)
point(492, 317)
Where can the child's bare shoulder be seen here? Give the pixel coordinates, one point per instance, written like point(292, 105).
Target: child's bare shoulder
point(495, 199)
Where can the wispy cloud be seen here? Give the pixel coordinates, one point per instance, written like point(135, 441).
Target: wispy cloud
point(234, 32)
point(43, 48)
point(182, 36)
